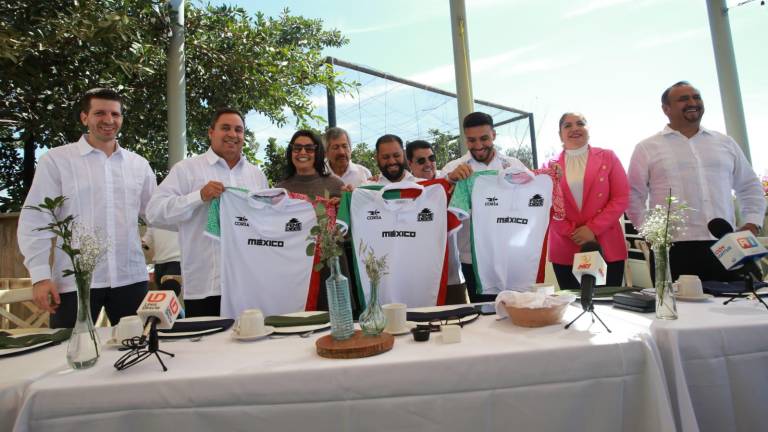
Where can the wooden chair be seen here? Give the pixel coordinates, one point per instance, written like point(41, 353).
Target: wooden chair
point(17, 309)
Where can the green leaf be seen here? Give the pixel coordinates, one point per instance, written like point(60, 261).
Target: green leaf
point(319, 266)
point(315, 230)
point(311, 249)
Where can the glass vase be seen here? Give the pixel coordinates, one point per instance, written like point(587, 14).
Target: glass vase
point(665, 297)
point(83, 349)
point(372, 319)
point(339, 303)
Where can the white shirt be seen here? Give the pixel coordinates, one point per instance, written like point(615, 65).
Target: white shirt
point(703, 171)
point(263, 236)
point(575, 166)
point(107, 194)
point(499, 162)
point(355, 174)
point(164, 245)
point(177, 202)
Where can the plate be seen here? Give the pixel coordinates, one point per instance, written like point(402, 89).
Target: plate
point(304, 328)
point(701, 298)
point(268, 330)
point(407, 329)
point(163, 334)
point(15, 351)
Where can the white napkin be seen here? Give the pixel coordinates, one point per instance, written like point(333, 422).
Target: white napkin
point(531, 300)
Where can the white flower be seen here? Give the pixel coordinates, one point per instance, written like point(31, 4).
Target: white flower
point(92, 244)
point(664, 221)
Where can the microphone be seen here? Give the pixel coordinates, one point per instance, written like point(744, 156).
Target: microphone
point(590, 268)
point(159, 309)
point(736, 250)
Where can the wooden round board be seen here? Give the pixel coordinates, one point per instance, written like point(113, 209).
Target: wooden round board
point(355, 347)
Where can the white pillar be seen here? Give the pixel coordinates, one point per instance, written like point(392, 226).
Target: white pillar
point(461, 64)
point(176, 87)
point(727, 75)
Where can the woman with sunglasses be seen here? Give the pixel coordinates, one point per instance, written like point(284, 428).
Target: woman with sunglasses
point(305, 171)
point(596, 194)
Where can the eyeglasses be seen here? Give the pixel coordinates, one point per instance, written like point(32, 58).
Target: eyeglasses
point(434, 324)
point(309, 148)
point(423, 160)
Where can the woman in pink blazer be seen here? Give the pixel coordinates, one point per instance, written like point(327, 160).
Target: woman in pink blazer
point(596, 194)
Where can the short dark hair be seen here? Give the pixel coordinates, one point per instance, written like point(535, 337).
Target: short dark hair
point(665, 95)
point(562, 118)
point(225, 110)
point(413, 145)
point(478, 119)
point(333, 133)
point(388, 138)
point(290, 168)
point(99, 93)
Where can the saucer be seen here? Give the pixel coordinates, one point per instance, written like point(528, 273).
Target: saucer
point(401, 331)
point(268, 330)
point(701, 298)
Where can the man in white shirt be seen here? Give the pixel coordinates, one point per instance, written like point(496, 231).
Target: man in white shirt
point(703, 168)
point(390, 158)
point(182, 200)
point(107, 189)
point(482, 155)
point(421, 159)
point(338, 152)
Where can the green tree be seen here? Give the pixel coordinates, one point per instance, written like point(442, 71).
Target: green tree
point(523, 154)
point(51, 52)
point(365, 156)
point(274, 161)
point(445, 146)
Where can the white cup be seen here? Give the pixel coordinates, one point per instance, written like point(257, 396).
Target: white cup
point(250, 323)
point(127, 328)
point(395, 315)
point(689, 286)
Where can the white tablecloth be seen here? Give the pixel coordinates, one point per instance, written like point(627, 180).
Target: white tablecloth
point(716, 361)
point(500, 377)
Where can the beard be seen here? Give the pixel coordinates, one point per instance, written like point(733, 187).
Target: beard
point(393, 177)
point(483, 155)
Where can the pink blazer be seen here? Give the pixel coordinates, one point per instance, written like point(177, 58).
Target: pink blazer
point(606, 196)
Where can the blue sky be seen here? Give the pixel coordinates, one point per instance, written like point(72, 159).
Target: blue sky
point(609, 59)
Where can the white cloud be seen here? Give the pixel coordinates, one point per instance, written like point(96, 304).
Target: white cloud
point(670, 38)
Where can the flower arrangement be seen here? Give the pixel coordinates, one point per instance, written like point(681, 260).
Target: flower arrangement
point(372, 319)
point(326, 237)
point(661, 224)
point(85, 248)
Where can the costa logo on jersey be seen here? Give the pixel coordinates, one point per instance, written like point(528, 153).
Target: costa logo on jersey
point(510, 219)
point(395, 233)
point(425, 215)
point(373, 214)
point(293, 225)
point(536, 201)
point(241, 221)
point(491, 202)
point(267, 243)
point(747, 242)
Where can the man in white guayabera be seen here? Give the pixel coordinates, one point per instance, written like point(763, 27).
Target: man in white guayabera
point(107, 189)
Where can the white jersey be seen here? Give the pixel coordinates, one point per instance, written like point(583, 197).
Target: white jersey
point(411, 229)
point(508, 225)
point(263, 238)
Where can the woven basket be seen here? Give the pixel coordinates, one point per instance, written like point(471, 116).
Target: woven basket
point(527, 317)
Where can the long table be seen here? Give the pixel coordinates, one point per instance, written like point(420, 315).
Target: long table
point(500, 377)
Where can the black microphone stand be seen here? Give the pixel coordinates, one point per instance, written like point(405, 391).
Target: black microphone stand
point(141, 348)
point(749, 284)
point(591, 310)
